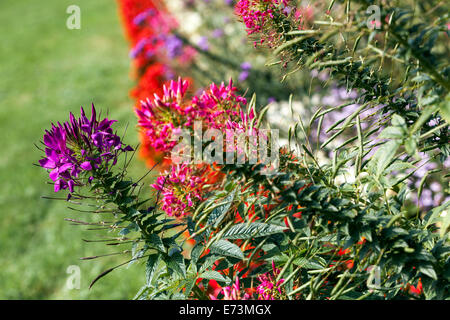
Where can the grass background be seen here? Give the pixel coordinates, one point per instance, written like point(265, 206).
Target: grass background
point(47, 70)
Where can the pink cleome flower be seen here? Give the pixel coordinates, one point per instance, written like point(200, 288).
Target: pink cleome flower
point(158, 118)
point(180, 188)
point(255, 13)
point(269, 289)
point(164, 115)
point(233, 292)
point(216, 105)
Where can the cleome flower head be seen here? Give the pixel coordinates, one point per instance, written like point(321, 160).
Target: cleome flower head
point(161, 117)
point(79, 146)
point(269, 289)
point(234, 292)
point(256, 14)
point(181, 189)
point(158, 118)
point(216, 105)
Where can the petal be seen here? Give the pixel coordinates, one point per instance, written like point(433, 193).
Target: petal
point(57, 186)
point(86, 166)
point(71, 185)
point(65, 167)
point(47, 163)
point(54, 174)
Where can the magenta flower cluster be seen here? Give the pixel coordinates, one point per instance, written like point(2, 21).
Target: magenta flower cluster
point(269, 289)
point(234, 292)
point(158, 118)
point(255, 13)
point(216, 105)
point(181, 189)
point(79, 146)
point(162, 116)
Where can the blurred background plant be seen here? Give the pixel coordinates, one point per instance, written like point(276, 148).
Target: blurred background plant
point(202, 40)
point(46, 71)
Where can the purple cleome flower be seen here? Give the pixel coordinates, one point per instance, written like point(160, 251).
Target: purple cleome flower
point(77, 146)
point(243, 76)
point(246, 66)
point(218, 33)
point(174, 46)
point(203, 43)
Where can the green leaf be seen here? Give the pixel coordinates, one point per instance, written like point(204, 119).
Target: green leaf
point(435, 214)
point(155, 241)
point(208, 261)
point(428, 270)
point(392, 133)
point(398, 121)
point(174, 249)
point(393, 232)
point(445, 224)
point(426, 113)
point(383, 157)
point(226, 248)
point(176, 263)
point(253, 230)
point(151, 266)
point(427, 100)
point(124, 231)
point(196, 252)
point(400, 166)
point(303, 262)
point(444, 108)
point(411, 145)
point(214, 275)
point(217, 215)
point(189, 284)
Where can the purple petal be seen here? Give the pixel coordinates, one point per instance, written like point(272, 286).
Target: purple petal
point(86, 166)
point(47, 163)
point(71, 185)
point(54, 175)
point(57, 186)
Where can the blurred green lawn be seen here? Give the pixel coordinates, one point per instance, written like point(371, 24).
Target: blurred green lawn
point(47, 70)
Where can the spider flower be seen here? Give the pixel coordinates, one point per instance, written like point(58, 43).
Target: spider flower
point(216, 105)
point(158, 118)
point(269, 289)
point(79, 146)
point(181, 189)
point(234, 292)
point(256, 13)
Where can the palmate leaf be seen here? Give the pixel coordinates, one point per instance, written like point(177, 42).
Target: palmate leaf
point(154, 241)
point(226, 248)
point(176, 263)
point(253, 230)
